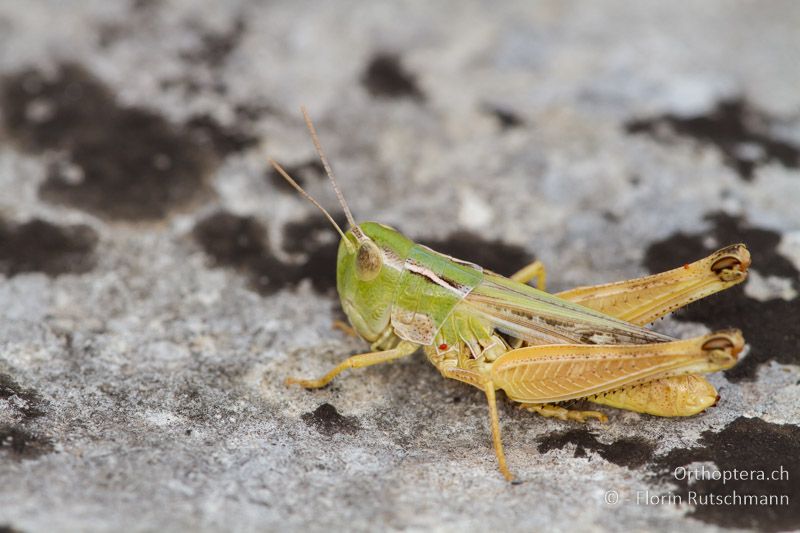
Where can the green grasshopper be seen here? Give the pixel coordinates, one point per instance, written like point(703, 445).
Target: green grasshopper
point(541, 349)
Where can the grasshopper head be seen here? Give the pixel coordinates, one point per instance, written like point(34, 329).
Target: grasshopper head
point(367, 274)
point(369, 262)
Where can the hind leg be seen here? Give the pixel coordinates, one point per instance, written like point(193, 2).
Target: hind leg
point(643, 300)
point(674, 396)
point(479, 381)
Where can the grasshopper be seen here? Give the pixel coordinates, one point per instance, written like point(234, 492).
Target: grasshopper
point(541, 349)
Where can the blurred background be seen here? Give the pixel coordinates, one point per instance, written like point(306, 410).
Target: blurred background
point(158, 280)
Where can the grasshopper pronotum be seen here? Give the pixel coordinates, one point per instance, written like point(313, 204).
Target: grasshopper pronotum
point(495, 332)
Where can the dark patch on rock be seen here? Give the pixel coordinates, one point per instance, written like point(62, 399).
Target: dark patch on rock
point(631, 453)
point(737, 129)
point(192, 404)
point(242, 243)
point(494, 255)
point(187, 84)
point(252, 111)
point(5, 528)
point(610, 216)
point(145, 5)
point(213, 136)
point(745, 445)
point(726, 229)
point(121, 162)
point(506, 118)
point(141, 15)
point(302, 172)
point(22, 444)
point(317, 242)
point(223, 141)
point(110, 33)
point(206, 402)
point(327, 420)
point(385, 77)
point(39, 246)
point(131, 163)
point(210, 52)
point(770, 327)
point(216, 47)
point(26, 401)
point(674, 251)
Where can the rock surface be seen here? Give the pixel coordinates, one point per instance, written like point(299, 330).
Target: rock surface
point(158, 282)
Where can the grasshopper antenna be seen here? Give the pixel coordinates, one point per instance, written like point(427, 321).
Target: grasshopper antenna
point(308, 197)
point(356, 230)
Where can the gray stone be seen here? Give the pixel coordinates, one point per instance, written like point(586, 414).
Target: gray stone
point(170, 283)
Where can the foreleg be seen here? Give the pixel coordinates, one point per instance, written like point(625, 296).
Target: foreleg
point(562, 413)
point(357, 361)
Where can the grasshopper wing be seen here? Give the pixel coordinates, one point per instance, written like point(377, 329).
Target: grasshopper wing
point(555, 373)
point(537, 317)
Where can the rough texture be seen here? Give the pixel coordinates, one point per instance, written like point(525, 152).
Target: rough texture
point(157, 283)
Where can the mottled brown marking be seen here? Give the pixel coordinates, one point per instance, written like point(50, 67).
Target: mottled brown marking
point(368, 261)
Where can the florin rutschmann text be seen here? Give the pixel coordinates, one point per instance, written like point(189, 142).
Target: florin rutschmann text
point(693, 474)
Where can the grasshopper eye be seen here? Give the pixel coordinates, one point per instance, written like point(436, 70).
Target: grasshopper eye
point(368, 261)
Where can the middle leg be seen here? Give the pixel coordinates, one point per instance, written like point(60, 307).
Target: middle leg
point(533, 271)
point(549, 410)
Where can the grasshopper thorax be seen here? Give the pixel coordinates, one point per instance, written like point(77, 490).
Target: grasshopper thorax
point(367, 273)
